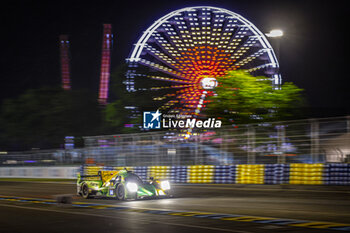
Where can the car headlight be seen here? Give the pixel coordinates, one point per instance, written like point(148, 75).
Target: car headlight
point(132, 187)
point(165, 185)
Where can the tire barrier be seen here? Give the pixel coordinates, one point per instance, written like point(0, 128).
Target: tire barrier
point(178, 174)
point(306, 173)
point(277, 173)
point(250, 173)
point(159, 172)
point(295, 173)
point(225, 174)
point(336, 174)
point(200, 174)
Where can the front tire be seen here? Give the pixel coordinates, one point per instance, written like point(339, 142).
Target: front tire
point(120, 190)
point(85, 191)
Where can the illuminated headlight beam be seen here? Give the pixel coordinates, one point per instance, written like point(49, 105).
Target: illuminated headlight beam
point(132, 187)
point(165, 185)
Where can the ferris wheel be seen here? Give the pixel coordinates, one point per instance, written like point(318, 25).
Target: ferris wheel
point(177, 59)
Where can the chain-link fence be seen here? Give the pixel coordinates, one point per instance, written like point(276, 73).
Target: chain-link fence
point(324, 140)
point(302, 141)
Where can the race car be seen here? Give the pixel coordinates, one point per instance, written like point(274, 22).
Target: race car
point(122, 185)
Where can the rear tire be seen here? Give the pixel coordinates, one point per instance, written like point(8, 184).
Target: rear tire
point(85, 191)
point(120, 191)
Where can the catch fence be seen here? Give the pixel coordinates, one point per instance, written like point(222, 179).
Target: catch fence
point(324, 140)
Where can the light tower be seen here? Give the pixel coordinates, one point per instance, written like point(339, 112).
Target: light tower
point(65, 71)
point(105, 63)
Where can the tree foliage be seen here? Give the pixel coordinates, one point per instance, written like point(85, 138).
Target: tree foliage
point(243, 98)
point(43, 117)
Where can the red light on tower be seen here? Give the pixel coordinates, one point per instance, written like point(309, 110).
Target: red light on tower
point(105, 63)
point(65, 72)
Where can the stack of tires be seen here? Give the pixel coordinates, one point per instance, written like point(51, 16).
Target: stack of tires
point(178, 174)
point(301, 173)
point(337, 174)
point(159, 172)
point(276, 173)
point(200, 174)
point(250, 174)
point(225, 174)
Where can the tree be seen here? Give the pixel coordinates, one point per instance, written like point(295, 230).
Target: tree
point(43, 117)
point(243, 98)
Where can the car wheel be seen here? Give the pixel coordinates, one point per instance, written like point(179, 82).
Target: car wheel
point(120, 192)
point(85, 191)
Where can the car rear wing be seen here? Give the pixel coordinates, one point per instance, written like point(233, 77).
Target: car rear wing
point(85, 176)
point(102, 175)
point(88, 177)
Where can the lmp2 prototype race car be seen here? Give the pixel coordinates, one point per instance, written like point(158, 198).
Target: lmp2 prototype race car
point(122, 185)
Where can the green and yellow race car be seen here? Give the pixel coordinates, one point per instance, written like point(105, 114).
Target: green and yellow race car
point(122, 185)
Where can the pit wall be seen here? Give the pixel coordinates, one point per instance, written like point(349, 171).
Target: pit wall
point(295, 173)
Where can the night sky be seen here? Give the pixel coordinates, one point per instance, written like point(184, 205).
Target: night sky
point(313, 50)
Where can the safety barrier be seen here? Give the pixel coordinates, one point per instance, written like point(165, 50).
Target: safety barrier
point(336, 174)
point(250, 174)
point(277, 173)
point(161, 172)
point(200, 174)
point(178, 174)
point(295, 173)
point(306, 173)
point(225, 174)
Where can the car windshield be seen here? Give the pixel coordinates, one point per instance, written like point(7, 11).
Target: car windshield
point(133, 178)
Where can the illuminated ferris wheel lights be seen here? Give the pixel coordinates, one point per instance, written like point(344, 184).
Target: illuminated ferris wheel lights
point(192, 54)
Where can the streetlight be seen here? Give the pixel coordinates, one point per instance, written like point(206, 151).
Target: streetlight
point(275, 36)
point(275, 33)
